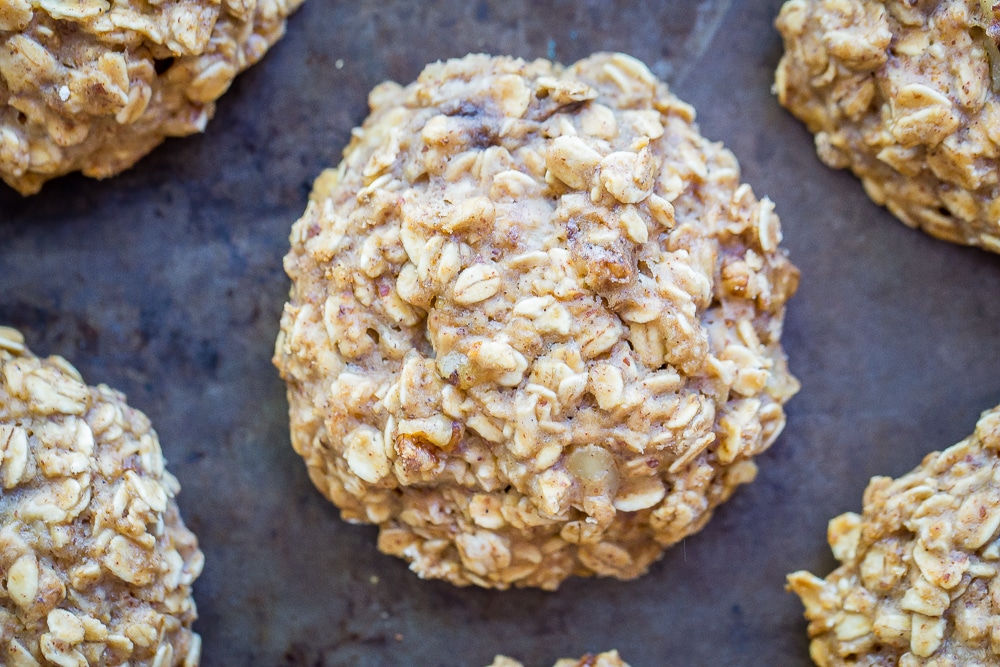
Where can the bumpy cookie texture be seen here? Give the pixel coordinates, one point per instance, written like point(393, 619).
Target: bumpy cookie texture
point(901, 93)
point(95, 564)
point(533, 328)
point(918, 579)
point(607, 659)
point(93, 85)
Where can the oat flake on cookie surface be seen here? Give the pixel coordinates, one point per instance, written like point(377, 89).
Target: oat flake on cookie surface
point(534, 323)
point(917, 585)
point(907, 95)
point(94, 85)
point(96, 565)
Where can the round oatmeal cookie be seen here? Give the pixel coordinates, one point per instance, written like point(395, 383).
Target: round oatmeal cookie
point(918, 583)
point(93, 85)
point(534, 323)
point(901, 92)
point(95, 564)
point(606, 659)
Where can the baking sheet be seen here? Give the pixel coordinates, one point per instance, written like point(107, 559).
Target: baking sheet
point(166, 283)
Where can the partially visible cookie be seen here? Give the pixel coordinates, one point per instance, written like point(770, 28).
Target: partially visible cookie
point(902, 93)
point(917, 584)
point(96, 565)
point(93, 85)
point(607, 659)
point(534, 326)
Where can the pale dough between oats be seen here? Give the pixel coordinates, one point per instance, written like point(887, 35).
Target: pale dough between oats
point(534, 322)
point(96, 565)
point(94, 85)
point(917, 585)
point(901, 93)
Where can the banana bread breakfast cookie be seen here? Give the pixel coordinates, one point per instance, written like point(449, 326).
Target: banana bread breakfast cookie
point(534, 322)
point(907, 95)
point(917, 584)
point(93, 85)
point(607, 659)
point(95, 564)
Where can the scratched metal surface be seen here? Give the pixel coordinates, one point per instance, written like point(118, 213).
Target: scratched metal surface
point(166, 282)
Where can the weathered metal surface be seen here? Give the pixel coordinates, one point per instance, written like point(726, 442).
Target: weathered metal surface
point(166, 282)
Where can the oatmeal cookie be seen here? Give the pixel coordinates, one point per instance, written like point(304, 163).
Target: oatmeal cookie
point(534, 322)
point(607, 659)
point(95, 564)
point(93, 85)
point(918, 583)
point(901, 92)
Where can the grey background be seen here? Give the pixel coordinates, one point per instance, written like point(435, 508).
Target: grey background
point(166, 282)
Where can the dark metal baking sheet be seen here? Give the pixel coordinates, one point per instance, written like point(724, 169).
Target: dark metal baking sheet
point(166, 282)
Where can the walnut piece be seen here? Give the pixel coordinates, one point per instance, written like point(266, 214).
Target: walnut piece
point(901, 93)
point(96, 565)
point(93, 85)
point(534, 323)
point(917, 584)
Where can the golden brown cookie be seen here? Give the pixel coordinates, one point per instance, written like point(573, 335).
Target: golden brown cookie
point(93, 85)
point(917, 585)
point(96, 565)
point(606, 659)
point(901, 93)
point(534, 323)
